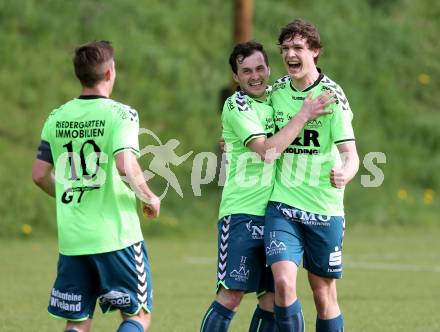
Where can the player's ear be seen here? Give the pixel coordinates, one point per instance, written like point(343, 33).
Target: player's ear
point(316, 52)
point(235, 78)
point(108, 74)
point(110, 71)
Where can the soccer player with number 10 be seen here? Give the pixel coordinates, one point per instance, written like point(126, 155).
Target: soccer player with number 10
point(87, 146)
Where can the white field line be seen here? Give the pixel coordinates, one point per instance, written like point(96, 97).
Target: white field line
point(391, 267)
point(349, 265)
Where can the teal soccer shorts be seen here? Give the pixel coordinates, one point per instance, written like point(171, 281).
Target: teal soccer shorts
point(241, 259)
point(294, 235)
point(117, 280)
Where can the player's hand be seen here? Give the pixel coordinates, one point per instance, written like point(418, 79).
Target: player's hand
point(151, 209)
point(315, 107)
point(338, 178)
point(222, 145)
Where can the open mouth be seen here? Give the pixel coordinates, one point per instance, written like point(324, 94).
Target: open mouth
point(256, 84)
point(294, 65)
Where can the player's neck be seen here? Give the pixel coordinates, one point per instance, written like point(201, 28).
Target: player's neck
point(98, 90)
point(306, 81)
point(261, 97)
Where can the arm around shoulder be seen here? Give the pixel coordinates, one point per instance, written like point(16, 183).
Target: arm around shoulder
point(269, 149)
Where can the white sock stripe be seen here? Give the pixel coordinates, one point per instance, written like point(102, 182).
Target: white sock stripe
point(304, 321)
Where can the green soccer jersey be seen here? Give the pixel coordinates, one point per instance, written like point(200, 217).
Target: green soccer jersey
point(249, 181)
point(96, 211)
point(303, 171)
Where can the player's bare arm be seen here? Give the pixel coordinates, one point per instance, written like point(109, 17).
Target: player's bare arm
point(340, 176)
point(43, 176)
point(128, 166)
point(270, 148)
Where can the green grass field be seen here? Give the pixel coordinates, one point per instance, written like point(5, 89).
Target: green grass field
point(391, 283)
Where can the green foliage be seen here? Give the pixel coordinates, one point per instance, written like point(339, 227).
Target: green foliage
point(172, 62)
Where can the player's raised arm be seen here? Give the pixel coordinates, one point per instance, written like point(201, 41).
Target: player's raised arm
point(270, 148)
point(128, 167)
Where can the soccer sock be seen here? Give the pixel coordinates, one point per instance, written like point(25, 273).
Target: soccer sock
point(263, 321)
point(71, 330)
point(217, 318)
point(330, 325)
point(130, 325)
point(290, 319)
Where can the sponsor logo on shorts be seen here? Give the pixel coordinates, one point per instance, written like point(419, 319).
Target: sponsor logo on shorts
point(66, 301)
point(242, 274)
point(275, 247)
point(257, 232)
point(116, 299)
point(306, 218)
point(335, 261)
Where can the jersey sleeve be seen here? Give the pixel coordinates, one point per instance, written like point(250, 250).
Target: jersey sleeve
point(44, 151)
point(126, 131)
point(242, 119)
point(341, 128)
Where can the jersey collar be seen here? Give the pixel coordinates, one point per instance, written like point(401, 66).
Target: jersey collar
point(91, 97)
point(310, 87)
point(242, 94)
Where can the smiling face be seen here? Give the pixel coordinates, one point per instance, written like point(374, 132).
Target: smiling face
point(252, 74)
point(299, 60)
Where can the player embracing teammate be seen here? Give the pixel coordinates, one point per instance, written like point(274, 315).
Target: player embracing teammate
point(249, 134)
point(304, 219)
point(305, 215)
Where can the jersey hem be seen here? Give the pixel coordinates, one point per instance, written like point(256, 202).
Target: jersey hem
point(222, 215)
point(305, 209)
point(100, 250)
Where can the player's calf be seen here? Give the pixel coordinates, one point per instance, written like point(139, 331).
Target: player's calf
point(325, 296)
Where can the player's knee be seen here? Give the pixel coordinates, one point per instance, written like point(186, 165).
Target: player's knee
point(145, 319)
point(83, 326)
point(229, 298)
point(285, 286)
